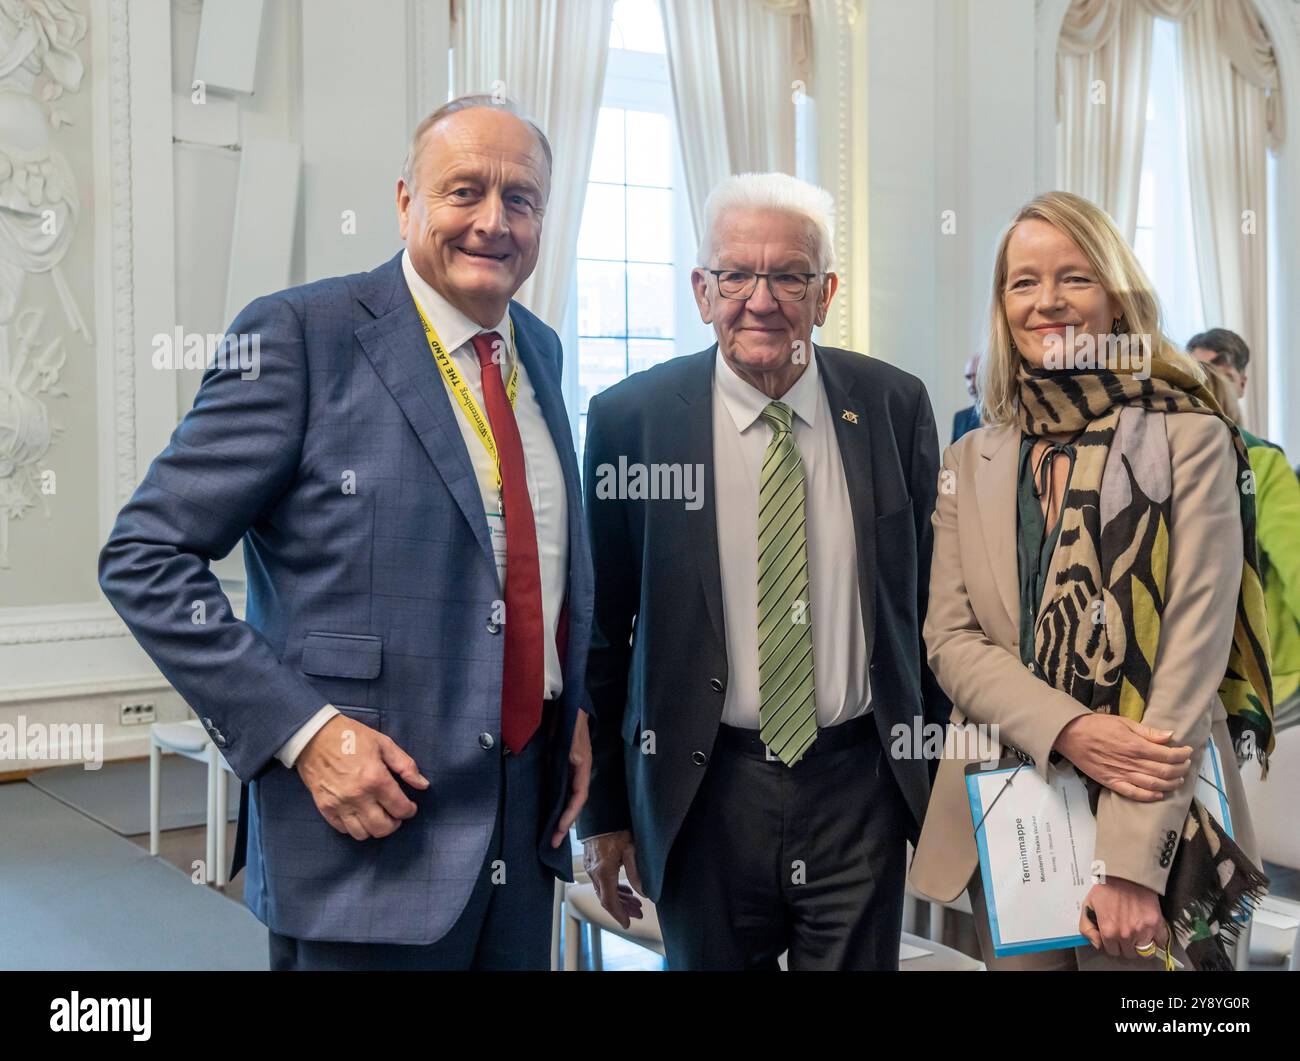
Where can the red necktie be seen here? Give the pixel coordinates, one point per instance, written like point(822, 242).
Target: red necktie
point(523, 676)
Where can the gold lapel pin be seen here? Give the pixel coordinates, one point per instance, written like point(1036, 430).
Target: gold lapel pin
point(850, 416)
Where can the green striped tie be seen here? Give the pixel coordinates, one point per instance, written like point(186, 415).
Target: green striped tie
point(787, 711)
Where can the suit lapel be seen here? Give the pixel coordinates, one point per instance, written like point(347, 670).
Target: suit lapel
point(696, 394)
point(395, 345)
point(852, 433)
point(995, 500)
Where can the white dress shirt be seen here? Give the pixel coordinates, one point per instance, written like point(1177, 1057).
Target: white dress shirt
point(541, 462)
point(740, 440)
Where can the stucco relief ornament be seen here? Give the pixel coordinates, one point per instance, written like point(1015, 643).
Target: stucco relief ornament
point(39, 207)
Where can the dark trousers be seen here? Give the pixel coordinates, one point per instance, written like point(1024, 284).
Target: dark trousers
point(505, 925)
point(806, 859)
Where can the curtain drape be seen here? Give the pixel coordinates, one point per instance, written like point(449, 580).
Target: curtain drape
point(733, 64)
point(1234, 114)
point(515, 50)
point(1103, 67)
point(1228, 111)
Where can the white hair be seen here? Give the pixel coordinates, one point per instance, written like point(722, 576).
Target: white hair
point(773, 191)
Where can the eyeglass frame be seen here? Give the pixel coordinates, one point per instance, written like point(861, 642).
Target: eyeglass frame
point(808, 277)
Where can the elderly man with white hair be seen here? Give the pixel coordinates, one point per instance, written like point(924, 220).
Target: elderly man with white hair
point(756, 651)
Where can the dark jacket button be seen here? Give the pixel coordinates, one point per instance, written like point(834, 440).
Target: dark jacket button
point(486, 741)
point(699, 758)
point(493, 627)
point(716, 683)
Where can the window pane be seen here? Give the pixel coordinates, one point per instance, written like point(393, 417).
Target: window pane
point(1163, 242)
point(607, 151)
point(650, 301)
point(649, 225)
point(636, 26)
point(601, 364)
point(649, 149)
point(642, 353)
point(601, 235)
point(602, 301)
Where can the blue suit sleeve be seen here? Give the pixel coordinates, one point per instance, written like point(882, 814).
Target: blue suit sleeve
point(227, 464)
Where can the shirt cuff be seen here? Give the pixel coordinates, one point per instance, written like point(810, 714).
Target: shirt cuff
point(596, 836)
point(292, 748)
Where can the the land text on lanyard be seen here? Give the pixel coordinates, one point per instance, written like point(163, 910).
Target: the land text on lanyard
point(464, 396)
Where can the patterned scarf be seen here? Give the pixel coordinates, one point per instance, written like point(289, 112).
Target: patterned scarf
point(1098, 631)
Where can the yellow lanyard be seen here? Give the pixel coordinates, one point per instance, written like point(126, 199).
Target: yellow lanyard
point(464, 396)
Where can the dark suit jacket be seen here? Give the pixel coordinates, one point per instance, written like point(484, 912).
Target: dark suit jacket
point(965, 420)
point(658, 655)
point(376, 600)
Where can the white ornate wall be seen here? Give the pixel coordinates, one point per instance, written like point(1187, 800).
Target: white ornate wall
point(140, 240)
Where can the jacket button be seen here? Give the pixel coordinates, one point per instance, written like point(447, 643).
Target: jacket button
point(699, 758)
point(716, 684)
point(1164, 861)
point(493, 627)
point(486, 741)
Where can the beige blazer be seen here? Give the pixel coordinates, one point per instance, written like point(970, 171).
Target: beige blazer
point(972, 634)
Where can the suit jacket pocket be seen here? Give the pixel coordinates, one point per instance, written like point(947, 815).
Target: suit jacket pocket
point(329, 655)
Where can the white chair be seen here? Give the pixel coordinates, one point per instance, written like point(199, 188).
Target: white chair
point(1273, 934)
point(938, 912)
point(582, 908)
point(191, 740)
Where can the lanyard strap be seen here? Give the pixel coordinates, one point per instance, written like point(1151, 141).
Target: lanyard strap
point(464, 396)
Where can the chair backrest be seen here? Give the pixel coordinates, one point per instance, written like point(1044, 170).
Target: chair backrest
point(1273, 802)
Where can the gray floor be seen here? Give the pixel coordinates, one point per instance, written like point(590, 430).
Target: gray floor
point(75, 895)
point(117, 794)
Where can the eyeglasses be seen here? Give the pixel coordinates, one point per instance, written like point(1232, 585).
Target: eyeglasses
point(785, 287)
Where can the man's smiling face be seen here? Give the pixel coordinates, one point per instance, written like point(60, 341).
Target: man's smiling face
point(472, 216)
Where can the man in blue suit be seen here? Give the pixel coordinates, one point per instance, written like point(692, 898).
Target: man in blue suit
point(404, 698)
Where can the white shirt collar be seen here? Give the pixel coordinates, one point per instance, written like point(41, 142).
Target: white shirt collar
point(453, 327)
point(746, 403)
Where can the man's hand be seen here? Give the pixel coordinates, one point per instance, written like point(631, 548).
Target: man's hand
point(348, 768)
point(602, 856)
point(579, 778)
point(1130, 759)
point(1128, 917)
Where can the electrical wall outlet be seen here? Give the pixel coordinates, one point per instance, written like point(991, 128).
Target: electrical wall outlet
point(137, 713)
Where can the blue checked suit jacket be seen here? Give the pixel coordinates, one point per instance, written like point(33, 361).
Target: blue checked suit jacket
point(376, 600)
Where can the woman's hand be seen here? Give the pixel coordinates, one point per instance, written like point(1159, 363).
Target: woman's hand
point(1128, 917)
point(1130, 759)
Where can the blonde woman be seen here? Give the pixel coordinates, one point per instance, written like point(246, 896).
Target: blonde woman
point(1095, 595)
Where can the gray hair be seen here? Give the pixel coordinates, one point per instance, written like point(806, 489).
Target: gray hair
point(773, 191)
point(466, 103)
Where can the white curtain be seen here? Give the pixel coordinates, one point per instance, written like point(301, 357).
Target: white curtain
point(1233, 111)
point(734, 66)
point(1234, 114)
point(549, 56)
point(1103, 67)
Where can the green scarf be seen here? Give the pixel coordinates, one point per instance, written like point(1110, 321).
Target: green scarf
point(1115, 531)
